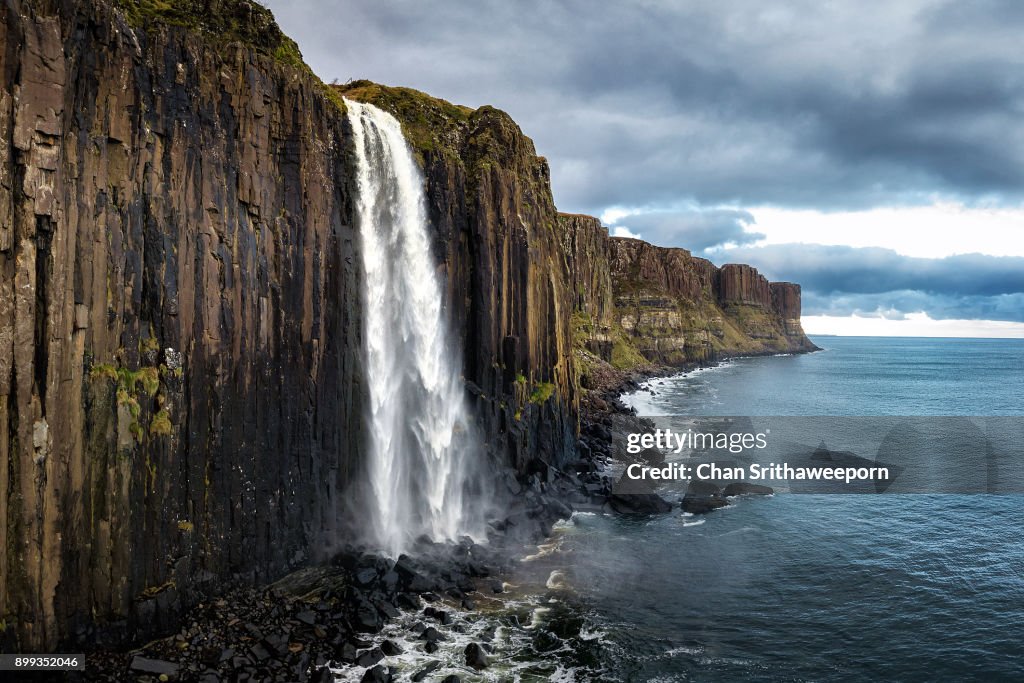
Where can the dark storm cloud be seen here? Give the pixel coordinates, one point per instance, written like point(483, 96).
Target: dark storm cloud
point(694, 229)
point(637, 103)
point(841, 280)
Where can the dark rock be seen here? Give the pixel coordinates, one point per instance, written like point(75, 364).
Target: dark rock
point(430, 668)
point(365, 577)
point(637, 497)
point(703, 497)
point(497, 587)
point(431, 647)
point(306, 617)
point(408, 601)
point(703, 488)
point(369, 657)
point(323, 675)
point(276, 643)
point(377, 674)
point(431, 635)
point(451, 679)
point(153, 666)
point(259, 652)
point(390, 581)
point(476, 657)
point(545, 641)
point(387, 609)
point(367, 618)
point(391, 648)
point(745, 489)
point(639, 504)
point(346, 653)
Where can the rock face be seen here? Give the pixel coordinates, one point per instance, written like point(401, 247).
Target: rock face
point(179, 320)
point(742, 284)
point(510, 287)
point(643, 304)
point(181, 388)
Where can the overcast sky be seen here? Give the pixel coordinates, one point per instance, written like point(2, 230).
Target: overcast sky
point(872, 151)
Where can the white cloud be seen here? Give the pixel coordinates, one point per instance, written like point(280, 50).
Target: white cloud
point(911, 325)
point(935, 231)
point(623, 231)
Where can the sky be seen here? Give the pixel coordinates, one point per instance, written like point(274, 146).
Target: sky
point(871, 151)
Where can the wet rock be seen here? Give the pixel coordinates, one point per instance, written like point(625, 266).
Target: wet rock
point(346, 653)
point(637, 497)
point(408, 601)
point(391, 648)
point(322, 675)
point(739, 488)
point(367, 618)
point(369, 657)
point(431, 647)
point(639, 504)
point(476, 657)
point(451, 679)
point(430, 668)
point(546, 642)
point(377, 674)
point(703, 497)
point(431, 635)
point(366, 576)
point(387, 609)
point(390, 581)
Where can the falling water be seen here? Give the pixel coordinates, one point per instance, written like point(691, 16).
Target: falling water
point(419, 436)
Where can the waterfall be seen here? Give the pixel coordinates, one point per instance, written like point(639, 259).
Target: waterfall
point(420, 439)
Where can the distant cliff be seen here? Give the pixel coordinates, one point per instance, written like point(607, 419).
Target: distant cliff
point(181, 383)
point(640, 304)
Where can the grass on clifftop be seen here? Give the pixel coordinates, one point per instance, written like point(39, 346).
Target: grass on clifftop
point(226, 21)
point(430, 124)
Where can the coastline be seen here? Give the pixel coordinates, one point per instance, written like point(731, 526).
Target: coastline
point(336, 612)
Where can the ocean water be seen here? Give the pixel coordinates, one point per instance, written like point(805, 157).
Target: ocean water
point(891, 587)
point(791, 587)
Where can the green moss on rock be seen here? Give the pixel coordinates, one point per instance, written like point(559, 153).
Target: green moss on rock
point(161, 424)
point(226, 21)
point(430, 124)
point(542, 392)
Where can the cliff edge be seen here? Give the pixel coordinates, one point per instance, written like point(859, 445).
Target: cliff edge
point(181, 354)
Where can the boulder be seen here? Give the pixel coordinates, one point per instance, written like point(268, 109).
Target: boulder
point(702, 497)
point(476, 657)
point(742, 488)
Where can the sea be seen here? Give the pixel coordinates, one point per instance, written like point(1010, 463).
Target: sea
point(787, 587)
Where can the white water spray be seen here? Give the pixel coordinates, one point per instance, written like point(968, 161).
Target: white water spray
point(419, 438)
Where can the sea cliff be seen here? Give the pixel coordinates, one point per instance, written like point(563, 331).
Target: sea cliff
point(181, 375)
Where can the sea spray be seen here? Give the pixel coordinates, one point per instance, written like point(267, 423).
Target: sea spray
point(420, 439)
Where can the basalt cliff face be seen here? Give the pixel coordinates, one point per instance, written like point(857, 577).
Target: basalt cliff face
point(181, 376)
point(641, 304)
point(180, 392)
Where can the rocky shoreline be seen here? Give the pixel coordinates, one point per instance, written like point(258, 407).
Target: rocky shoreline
point(332, 615)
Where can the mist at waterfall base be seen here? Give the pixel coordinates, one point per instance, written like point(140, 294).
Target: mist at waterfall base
point(422, 477)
